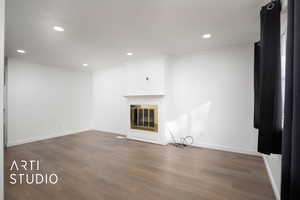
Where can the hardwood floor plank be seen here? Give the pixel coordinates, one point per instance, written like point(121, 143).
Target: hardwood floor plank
point(96, 165)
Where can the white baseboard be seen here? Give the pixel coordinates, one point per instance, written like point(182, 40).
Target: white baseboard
point(132, 138)
point(43, 137)
point(272, 180)
point(110, 132)
point(226, 148)
point(147, 141)
point(203, 145)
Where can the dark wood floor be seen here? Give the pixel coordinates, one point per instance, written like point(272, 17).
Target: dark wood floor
point(94, 165)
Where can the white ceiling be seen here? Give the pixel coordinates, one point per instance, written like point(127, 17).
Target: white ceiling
point(100, 32)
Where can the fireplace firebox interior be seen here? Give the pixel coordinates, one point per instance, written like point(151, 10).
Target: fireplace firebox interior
point(144, 117)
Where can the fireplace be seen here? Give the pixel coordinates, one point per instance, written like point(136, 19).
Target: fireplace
point(144, 117)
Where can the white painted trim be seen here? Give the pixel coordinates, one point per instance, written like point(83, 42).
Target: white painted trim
point(111, 132)
point(147, 141)
point(2, 31)
point(133, 138)
point(226, 148)
point(44, 137)
point(202, 145)
point(143, 95)
point(272, 180)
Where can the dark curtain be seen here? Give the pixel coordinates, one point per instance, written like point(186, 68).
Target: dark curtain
point(268, 106)
point(257, 81)
point(290, 188)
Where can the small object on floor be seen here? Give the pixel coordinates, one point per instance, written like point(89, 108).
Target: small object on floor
point(120, 137)
point(183, 142)
point(179, 145)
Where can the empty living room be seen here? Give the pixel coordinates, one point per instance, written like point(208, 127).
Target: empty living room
point(154, 100)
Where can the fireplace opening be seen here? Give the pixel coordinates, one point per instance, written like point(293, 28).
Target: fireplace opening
point(144, 117)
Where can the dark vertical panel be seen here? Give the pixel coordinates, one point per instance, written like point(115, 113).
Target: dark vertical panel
point(135, 117)
point(296, 106)
point(140, 115)
point(270, 127)
point(146, 117)
point(290, 187)
point(151, 120)
point(288, 108)
point(257, 83)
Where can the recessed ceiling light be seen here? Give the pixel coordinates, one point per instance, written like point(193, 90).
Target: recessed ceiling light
point(129, 54)
point(21, 51)
point(85, 64)
point(206, 36)
point(58, 28)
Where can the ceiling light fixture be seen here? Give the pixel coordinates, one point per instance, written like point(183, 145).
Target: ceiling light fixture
point(21, 51)
point(58, 28)
point(85, 64)
point(129, 54)
point(206, 36)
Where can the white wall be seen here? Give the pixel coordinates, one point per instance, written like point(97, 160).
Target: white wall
point(138, 71)
point(110, 85)
point(2, 17)
point(109, 105)
point(46, 101)
point(210, 97)
point(273, 165)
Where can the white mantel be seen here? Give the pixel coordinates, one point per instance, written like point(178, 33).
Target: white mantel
point(143, 95)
